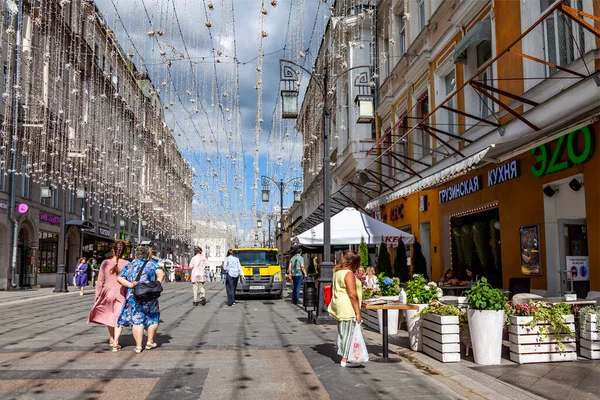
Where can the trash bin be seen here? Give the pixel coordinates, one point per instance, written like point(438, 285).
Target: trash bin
point(309, 299)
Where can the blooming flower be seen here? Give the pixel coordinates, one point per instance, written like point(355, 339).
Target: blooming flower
point(388, 281)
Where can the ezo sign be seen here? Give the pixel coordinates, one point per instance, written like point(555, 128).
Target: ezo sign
point(548, 162)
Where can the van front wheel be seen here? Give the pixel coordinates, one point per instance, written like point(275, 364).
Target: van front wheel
point(280, 295)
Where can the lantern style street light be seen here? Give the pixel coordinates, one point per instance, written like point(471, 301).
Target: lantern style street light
point(282, 186)
point(259, 223)
point(288, 77)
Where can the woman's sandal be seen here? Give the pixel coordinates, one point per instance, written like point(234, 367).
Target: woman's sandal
point(116, 348)
point(138, 350)
point(150, 345)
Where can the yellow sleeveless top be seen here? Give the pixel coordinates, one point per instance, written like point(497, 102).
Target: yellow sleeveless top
point(340, 307)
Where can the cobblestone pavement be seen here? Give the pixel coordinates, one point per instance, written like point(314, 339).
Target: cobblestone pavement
point(258, 349)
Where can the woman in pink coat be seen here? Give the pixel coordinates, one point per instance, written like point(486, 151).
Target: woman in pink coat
point(110, 295)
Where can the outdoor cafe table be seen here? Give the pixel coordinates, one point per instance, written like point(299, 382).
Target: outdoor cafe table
point(384, 308)
point(561, 299)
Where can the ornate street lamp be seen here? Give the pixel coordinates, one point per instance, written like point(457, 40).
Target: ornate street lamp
point(289, 103)
point(45, 192)
point(297, 196)
point(259, 223)
point(365, 109)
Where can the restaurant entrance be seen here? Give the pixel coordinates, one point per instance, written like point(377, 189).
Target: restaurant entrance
point(574, 252)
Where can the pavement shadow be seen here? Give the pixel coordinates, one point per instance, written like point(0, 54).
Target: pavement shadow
point(328, 350)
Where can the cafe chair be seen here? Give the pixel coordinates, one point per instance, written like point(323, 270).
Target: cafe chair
point(518, 285)
point(523, 298)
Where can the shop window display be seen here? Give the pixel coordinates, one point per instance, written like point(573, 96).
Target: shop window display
point(48, 252)
point(475, 241)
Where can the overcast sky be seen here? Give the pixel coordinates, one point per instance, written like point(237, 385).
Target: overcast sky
point(199, 54)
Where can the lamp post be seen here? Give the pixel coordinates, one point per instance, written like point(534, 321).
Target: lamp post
point(289, 102)
point(266, 183)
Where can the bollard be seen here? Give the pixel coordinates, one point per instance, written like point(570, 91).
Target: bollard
point(61, 279)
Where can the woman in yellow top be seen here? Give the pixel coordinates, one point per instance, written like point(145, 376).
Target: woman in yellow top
point(345, 302)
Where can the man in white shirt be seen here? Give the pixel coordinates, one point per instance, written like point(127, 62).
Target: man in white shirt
point(198, 265)
point(233, 269)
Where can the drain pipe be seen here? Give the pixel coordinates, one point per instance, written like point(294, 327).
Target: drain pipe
point(13, 146)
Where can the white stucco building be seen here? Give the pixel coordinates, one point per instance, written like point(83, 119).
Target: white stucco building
point(214, 239)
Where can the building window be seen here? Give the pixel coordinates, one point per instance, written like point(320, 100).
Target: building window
point(424, 139)
point(207, 251)
point(2, 177)
point(72, 198)
point(421, 5)
point(562, 37)
point(450, 86)
point(484, 53)
point(91, 208)
point(54, 197)
point(402, 36)
point(99, 210)
point(25, 179)
point(218, 252)
point(48, 250)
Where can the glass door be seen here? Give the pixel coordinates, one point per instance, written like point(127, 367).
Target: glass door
point(574, 253)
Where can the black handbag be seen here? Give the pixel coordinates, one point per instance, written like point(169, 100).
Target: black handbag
point(145, 292)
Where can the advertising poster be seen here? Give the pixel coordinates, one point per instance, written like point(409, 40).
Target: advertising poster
point(579, 268)
point(531, 263)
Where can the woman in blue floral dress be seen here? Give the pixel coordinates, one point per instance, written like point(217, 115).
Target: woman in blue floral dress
point(140, 315)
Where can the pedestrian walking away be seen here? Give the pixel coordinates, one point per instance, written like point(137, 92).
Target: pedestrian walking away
point(81, 280)
point(345, 303)
point(233, 269)
point(198, 265)
point(297, 271)
point(110, 294)
point(137, 314)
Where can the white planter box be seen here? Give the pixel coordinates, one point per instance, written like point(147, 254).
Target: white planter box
point(590, 337)
point(440, 337)
point(527, 346)
point(543, 358)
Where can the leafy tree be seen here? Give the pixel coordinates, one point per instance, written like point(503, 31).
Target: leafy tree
point(418, 261)
point(363, 251)
point(384, 265)
point(401, 264)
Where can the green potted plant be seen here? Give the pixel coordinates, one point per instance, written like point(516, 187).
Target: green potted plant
point(441, 326)
point(486, 315)
point(420, 293)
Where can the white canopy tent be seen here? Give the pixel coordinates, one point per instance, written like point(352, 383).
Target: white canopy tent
point(348, 226)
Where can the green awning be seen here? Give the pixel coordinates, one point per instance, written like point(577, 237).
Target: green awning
point(482, 31)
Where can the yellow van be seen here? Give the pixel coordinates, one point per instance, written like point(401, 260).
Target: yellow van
point(262, 272)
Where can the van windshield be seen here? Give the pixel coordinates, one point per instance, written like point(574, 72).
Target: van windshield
point(256, 257)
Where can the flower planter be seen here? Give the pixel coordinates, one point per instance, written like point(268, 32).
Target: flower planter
point(441, 337)
point(392, 318)
point(370, 319)
point(589, 337)
point(485, 327)
point(527, 346)
point(413, 325)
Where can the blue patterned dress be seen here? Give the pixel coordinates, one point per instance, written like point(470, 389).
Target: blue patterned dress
point(135, 313)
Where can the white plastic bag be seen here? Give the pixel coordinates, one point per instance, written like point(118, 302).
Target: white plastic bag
point(358, 348)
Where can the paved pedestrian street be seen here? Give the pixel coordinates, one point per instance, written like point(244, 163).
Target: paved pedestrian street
point(257, 349)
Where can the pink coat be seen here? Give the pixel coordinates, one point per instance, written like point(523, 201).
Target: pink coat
point(110, 295)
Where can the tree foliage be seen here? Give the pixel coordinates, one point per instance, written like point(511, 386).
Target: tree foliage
point(384, 264)
point(418, 261)
point(363, 251)
point(401, 264)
